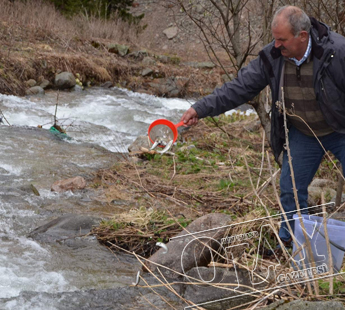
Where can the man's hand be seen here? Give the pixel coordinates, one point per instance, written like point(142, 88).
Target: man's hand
point(190, 117)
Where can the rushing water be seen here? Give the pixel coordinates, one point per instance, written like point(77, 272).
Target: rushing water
point(101, 122)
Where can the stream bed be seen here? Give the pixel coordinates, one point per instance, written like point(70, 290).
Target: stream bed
point(102, 123)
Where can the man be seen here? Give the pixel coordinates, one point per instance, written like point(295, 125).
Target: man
point(307, 60)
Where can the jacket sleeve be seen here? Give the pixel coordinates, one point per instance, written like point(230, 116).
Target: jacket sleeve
point(249, 82)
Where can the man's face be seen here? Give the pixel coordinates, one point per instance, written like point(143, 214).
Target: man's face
point(289, 45)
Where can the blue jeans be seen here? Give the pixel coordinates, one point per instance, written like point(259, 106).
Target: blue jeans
point(306, 153)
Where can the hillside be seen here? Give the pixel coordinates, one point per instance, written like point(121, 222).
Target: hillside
point(37, 42)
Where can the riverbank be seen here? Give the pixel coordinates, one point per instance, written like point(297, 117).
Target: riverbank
point(41, 47)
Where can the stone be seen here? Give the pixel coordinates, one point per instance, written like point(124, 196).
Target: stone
point(66, 226)
point(78, 88)
point(119, 49)
point(147, 72)
point(169, 87)
point(323, 183)
point(138, 54)
point(141, 141)
point(45, 84)
point(164, 59)
point(171, 32)
point(187, 148)
point(107, 84)
point(148, 61)
point(65, 80)
point(36, 90)
point(218, 298)
point(31, 83)
point(314, 196)
point(72, 184)
point(188, 251)
point(122, 50)
point(200, 65)
point(253, 126)
point(227, 77)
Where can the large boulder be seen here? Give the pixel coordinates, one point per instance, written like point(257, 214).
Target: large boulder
point(169, 87)
point(65, 80)
point(71, 184)
point(68, 226)
point(218, 291)
point(187, 251)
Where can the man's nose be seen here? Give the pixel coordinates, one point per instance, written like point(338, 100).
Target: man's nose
point(277, 44)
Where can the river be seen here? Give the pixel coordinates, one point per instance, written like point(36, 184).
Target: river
point(101, 123)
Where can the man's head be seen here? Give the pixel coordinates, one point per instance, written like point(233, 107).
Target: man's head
point(290, 29)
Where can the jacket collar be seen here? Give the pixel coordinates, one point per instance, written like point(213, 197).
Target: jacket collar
point(318, 32)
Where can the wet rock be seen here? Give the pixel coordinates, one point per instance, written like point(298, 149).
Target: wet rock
point(30, 83)
point(72, 184)
point(305, 305)
point(218, 298)
point(169, 87)
point(107, 84)
point(36, 90)
point(141, 141)
point(63, 228)
point(184, 253)
point(65, 80)
point(171, 32)
point(78, 88)
point(119, 298)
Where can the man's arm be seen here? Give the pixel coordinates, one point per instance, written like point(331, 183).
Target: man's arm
point(249, 82)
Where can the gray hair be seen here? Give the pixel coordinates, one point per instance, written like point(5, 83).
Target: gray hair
point(296, 17)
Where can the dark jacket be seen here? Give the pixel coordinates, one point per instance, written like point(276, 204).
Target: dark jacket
point(328, 52)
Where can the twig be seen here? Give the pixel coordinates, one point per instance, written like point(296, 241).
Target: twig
point(329, 250)
point(5, 118)
point(262, 159)
point(174, 169)
point(56, 105)
point(310, 253)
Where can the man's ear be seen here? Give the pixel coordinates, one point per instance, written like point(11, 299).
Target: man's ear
point(304, 35)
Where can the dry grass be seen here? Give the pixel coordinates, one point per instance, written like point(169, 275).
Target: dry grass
point(40, 18)
point(177, 191)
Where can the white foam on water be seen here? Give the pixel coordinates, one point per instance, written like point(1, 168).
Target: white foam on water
point(22, 268)
point(10, 170)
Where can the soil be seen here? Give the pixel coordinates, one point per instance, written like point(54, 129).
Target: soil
point(28, 53)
